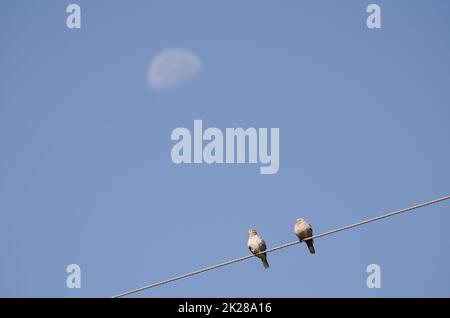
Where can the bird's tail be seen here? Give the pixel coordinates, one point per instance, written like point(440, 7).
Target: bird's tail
point(264, 261)
point(311, 247)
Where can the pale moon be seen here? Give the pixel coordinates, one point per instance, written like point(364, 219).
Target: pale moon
point(173, 66)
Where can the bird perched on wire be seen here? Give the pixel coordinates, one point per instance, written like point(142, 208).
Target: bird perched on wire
point(257, 245)
point(304, 230)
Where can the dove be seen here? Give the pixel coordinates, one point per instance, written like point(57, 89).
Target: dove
point(304, 230)
point(256, 245)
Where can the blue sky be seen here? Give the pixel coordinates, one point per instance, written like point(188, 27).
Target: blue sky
point(86, 175)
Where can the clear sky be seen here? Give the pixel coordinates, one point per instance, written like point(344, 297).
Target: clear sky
point(86, 175)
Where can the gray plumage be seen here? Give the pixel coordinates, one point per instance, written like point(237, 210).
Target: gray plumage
point(304, 230)
point(257, 245)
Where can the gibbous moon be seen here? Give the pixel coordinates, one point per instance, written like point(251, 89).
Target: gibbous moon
point(173, 66)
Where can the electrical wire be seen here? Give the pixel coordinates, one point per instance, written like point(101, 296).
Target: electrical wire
point(282, 246)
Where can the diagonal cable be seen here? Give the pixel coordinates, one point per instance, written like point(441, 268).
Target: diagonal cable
point(421, 205)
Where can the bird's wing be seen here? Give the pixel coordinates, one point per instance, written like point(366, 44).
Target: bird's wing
point(263, 245)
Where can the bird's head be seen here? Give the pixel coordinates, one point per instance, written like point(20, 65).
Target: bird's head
point(252, 232)
point(300, 220)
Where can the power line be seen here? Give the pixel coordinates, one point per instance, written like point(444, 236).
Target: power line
point(282, 246)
